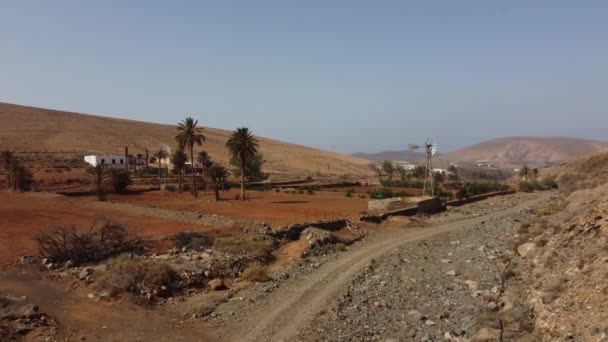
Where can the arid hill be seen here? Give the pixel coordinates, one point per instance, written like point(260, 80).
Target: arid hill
point(587, 172)
point(517, 151)
point(37, 129)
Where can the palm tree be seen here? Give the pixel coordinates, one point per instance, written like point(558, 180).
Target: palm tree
point(242, 145)
point(217, 175)
point(7, 161)
point(205, 160)
point(160, 155)
point(524, 172)
point(188, 135)
point(535, 174)
point(179, 159)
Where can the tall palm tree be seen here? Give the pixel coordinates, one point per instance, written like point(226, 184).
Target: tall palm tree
point(205, 160)
point(179, 159)
point(242, 145)
point(160, 154)
point(217, 175)
point(188, 135)
point(7, 162)
point(524, 172)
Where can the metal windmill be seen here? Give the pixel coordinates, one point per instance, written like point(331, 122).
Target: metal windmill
point(430, 148)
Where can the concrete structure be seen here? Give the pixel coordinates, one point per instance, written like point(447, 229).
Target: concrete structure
point(109, 161)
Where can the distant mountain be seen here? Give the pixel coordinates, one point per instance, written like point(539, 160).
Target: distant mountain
point(390, 155)
point(517, 151)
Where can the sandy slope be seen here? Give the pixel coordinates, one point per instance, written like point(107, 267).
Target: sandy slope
point(37, 129)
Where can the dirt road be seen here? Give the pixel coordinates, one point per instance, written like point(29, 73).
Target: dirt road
point(282, 315)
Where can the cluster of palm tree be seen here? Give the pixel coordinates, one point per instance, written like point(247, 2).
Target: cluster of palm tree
point(18, 177)
point(527, 173)
point(241, 145)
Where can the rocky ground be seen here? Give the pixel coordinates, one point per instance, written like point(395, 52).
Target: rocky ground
point(445, 288)
point(452, 285)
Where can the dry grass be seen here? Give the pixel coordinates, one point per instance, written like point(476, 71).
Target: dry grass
point(340, 247)
point(255, 272)
point(139, 277)
point(245, 245)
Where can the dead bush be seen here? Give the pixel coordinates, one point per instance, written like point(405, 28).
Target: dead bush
point(260, 249)
point(193, 240)
point(340, 247)
point(255, 272)
point(146, 279)
point(102, 240)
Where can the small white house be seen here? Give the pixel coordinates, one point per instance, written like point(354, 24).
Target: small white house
point(107, 161)
point(443, 171)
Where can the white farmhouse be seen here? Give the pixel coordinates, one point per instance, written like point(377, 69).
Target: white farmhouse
point(106, 161)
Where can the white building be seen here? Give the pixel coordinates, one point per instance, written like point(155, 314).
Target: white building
point(444, 171)
point(107, 161)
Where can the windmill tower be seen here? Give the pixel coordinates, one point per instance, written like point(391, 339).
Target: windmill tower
point(430, 148)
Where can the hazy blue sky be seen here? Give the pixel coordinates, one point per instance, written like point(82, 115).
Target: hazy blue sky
point(339, 75)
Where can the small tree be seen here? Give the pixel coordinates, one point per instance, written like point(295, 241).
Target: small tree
point(98, 173)
point(22, 177)
point(253, 168)
point(217, 175)
point(178, 159)
point(205, 160)
point(388, 168)
point(120, 180)
point(7, 162)
point(535, 174)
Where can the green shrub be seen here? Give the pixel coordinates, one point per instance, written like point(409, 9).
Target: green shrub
point(350, 192)
point(255, 272)
point(479, 188)
point(526, 186)
point(170, 188)
point(381, 193)
point(549, 184)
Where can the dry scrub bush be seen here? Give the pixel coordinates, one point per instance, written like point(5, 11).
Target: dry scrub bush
point(147, 279)
point(193, 240)
point(102, 240)
point(255, 272)
point(340, 247)
point(259, 249)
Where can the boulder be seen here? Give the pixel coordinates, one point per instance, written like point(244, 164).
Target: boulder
point(216, 284)
point(525, 249)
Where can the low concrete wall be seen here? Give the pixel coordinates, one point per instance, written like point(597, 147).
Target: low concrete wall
point(292, 232)
point(457, 203)
point(429, 206)
point(388, 204)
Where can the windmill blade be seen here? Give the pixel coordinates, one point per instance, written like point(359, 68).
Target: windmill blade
point(413, 147)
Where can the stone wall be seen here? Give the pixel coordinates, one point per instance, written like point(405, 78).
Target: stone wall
point(292, 232)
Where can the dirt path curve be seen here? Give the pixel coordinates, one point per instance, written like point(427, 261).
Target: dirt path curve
point(281, 316)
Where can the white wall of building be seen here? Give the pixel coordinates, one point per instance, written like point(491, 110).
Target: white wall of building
point(107, 161)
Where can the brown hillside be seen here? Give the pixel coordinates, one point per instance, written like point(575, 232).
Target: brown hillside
point(584, 173)
point(37, 129)
point(517, 151)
